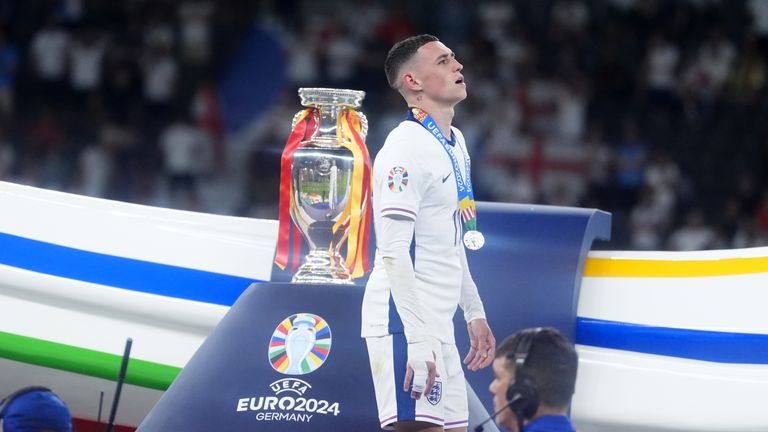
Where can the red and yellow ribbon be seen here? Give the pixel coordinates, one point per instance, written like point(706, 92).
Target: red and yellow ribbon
point(356, 217)
point(358, 210)
point(304, 126)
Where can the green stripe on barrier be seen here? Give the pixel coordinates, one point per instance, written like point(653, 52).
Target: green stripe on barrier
point(84, 361)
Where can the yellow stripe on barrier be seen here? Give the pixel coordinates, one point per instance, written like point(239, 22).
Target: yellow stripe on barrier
point(620, 267)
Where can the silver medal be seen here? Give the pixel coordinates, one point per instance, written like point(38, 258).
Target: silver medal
point(474, 240)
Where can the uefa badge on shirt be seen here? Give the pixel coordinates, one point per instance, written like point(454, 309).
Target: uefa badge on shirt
point(397, 180)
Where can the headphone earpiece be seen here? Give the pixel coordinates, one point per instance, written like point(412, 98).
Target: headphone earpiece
point(522, 394)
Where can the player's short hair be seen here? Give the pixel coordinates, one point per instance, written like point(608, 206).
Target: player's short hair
point(399, 55)
point(551, 363)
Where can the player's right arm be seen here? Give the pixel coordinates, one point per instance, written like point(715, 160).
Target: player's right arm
point(394, 249)
point(400, 185)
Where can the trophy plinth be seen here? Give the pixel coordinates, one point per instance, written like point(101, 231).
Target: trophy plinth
point(322, 185)
point(322, 267)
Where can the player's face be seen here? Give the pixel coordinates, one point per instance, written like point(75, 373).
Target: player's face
point(499, 386)
point(440, 73)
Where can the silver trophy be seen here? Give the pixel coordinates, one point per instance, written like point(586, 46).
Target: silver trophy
point(321, 177)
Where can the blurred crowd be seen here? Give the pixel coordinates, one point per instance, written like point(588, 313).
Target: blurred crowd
point(648, 109)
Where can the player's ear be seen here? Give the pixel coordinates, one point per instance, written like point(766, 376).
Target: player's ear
point(410, 82)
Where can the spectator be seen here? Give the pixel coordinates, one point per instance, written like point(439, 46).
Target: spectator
point(662, 176)
point(631, 156)
point(49, 52)
point(647, 222)
point(87, 56)
point(695, 234)
point(206, 108)
point(709, 70)
point(571, 17)
point(661, 64)
point(303, 62)
point(342, 54)
point(758, 10)
point(158, 33)
point(95, 167)
point(746, 83)
point(160, 73)
point(195, 38)
point(571, 100)
point(599, 163)
point(187, 152)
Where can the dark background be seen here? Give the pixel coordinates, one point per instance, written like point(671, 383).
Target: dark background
point(652, 110)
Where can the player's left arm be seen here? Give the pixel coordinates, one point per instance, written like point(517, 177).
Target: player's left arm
point(482, 344)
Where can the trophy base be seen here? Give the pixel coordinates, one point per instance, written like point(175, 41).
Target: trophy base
point(323, 268)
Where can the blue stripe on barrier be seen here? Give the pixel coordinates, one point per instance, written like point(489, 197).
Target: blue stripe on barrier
point(721, 347)
point(126, 273)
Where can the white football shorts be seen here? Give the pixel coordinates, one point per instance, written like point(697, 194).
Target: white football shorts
point(445, 405)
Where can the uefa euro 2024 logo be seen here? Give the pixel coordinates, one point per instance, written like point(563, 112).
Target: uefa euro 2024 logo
point(300, 344)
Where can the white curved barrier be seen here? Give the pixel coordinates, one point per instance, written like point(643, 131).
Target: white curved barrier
point(58, 319)
point(704, 311)
point(65, 329)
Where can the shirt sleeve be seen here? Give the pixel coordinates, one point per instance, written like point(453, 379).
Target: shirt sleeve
point(470, 299)
point(401, 182)
point(394, 247)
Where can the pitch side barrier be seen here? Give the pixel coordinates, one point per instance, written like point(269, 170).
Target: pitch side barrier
point(290, 356)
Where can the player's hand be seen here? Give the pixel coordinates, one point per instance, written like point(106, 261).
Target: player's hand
point(422, 378)
point(482, 345)
point(421, 371)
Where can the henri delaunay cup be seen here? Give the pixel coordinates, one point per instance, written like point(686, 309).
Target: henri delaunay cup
point(329, 190)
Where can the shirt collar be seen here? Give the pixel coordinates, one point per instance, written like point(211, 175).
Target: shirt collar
point(550, 423)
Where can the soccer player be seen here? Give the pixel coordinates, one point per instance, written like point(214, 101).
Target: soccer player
point(422, 197)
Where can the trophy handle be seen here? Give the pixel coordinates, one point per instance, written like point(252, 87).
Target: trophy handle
point(296, 118)
point(364, 125)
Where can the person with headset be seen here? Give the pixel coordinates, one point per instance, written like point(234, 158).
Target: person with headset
point(535, 378)
point(34, 409)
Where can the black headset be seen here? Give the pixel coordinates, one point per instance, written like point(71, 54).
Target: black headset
point(20, 392)
point(523, 394)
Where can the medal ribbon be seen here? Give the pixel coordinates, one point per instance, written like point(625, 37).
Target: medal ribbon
point(465, 195)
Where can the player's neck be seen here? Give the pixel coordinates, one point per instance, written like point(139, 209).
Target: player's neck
point(443, 115)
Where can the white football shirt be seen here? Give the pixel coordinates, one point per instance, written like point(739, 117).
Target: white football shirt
point(413, 177)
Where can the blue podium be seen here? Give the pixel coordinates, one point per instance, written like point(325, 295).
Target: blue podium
point(286, 357)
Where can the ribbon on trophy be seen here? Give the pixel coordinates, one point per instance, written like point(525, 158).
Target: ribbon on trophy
point(356, 215)
point(358, 211)
point(305, 124)
point(473, 239)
